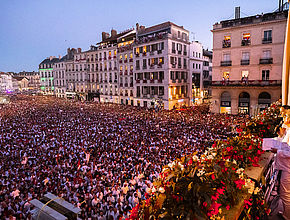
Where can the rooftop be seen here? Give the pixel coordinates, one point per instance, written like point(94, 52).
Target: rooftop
point(158, 27)
point(260, 18)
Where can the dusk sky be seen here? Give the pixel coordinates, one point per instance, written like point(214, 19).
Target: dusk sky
point(31, 30)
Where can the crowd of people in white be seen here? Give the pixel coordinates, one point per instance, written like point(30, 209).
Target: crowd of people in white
point(102, 158)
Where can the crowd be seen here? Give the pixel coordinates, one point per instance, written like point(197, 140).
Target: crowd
point(102, 158)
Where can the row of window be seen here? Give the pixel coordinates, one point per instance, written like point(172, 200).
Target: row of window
point(151, 62)
point(246, 39)
point(245, 75)
point(149, 48)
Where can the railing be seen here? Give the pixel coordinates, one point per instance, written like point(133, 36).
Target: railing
point(226, 43)
point(266, 60)
point(245, 42)
point(245, 62)
point(226, 63)
point(247, 83)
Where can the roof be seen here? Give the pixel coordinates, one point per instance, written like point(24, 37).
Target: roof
point(207, 53)
point(158, 27)
point(47, 60)
point(115, 37)
point(19, 78)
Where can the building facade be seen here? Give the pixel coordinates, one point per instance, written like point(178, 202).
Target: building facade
point(46, 75)
point(6, 85)
point(247, 62)
point(207, 74)
point(161, 66)
point(33, 79)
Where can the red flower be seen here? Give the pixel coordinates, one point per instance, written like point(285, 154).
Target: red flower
point(204, 204)
point(220, 191)
point(213, 177)
point(239, 183)
point(228, 207)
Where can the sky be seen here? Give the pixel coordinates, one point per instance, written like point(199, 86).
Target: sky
point(32, 30)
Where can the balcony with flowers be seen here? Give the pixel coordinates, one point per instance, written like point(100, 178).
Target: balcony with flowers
point(227, 181)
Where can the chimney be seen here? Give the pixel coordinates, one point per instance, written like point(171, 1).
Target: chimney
point(59, 56)
point(238, 12)
point(142, 27)
point(79, 50)
point(113, 33)
point(105, 36)
point(137, 26)
point(68, 51)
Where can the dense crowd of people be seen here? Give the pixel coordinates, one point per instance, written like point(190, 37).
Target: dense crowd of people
point(102, 158)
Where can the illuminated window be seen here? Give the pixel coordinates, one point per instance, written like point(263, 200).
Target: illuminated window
point(131, 55)
point(245, 73)
point(131, 67)
point(121, 68)
point(121, 57)
point(226, 75)
point(246, 39)
point(227, 42)
point(126, 56)
point(115, 52)
point(161, 60)
point(137, 50)
point(126, 67)
point(110, 53)
point(144, 49)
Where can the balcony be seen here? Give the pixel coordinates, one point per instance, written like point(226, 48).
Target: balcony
point(131, 85)
point(125, 61)
point(151, 80)
point(110, 81)
point(126, 84)
point(152, 66)
point(100, 59)
point(179, 52)
point(110, 68)
point(144, 67)
point(159, 51)
point(131, 60)
point(120, 61)
point(105, 58)
point(173, 80)
point(151, 53)
point(121, 73)
point(137, 80)
point(115, 57)
point(126, 72)
point(110, 57)
point(245, 42)
point(185, 53)
point(266, 60)
point(245, 62)
point(159, 80)
point(144, 81)
point(121, 84)
point(173, 51)
point(173, 65)
point(115, 81)
point(238, 83)
point(179, 66)
point(226, 43)
point(159, 65)
point(226, 63)
point(137, 54)
point(267, 40)
point(131, 72)
point(144, 54)
point(137, 67)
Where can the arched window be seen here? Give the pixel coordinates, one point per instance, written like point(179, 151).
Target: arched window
point(264, 100)
point(244, 103)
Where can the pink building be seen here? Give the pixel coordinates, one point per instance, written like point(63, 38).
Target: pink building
point(247, 62)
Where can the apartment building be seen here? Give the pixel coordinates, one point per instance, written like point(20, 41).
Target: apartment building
point(33, 79)
point(6, 85)
point(92, 70)
point(207, 74)
point(196, 71)
point(247, 62)
point(161, 66)
point(46, 75)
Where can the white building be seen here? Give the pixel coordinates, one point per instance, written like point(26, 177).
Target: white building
point(161, 66)
point(196, 70)
point(46, 75)
point(6, 85)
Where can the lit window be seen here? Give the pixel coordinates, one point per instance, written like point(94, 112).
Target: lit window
point(131, 55)
point(246, 39)
point(110, 53)
point(115, 52)
point(137, 50)
point(226, 75)
point(121, 57)
point(144, 49)
point(245, 73)
point(227, 41)
point(126, 56)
